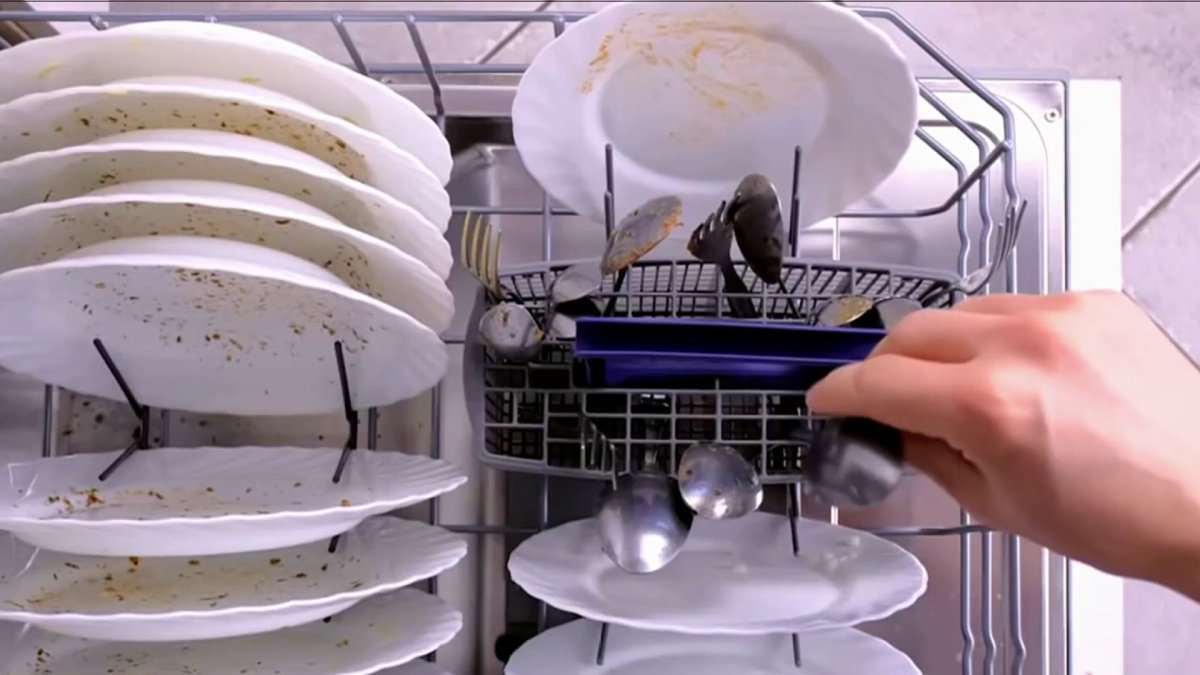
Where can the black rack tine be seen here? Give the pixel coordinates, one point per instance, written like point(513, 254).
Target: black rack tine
point(351, 413)
point(351, 423)
point(602, 645)
point(610, 219)
point(142, 412)
point(793, 509)
point(794, 211)
point(129, 450)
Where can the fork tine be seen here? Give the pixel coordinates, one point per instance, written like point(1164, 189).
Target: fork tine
point(464, 252)
point(494, 262)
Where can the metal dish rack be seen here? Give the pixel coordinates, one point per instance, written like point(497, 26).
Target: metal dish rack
point(531, 414)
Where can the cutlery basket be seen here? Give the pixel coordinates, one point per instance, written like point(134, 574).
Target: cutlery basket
point(534, 415)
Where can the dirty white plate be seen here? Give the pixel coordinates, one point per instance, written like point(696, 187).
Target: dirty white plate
point(415, 227)
point(732, 577)
point(377, 633)
point(571, 648)
point(63, 117)
point(210, 500)
point(694, 95)
point(185, 48)
point(46, 231)
point(210, 325)
point(203, 598)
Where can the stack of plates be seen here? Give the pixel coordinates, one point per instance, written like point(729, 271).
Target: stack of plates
point(737, 579)
point(218, 206)
point(221, 208)
point(198, 544)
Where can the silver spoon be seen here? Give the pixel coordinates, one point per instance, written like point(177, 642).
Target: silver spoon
point(718, 483)
point(758, 225)
point(572, 294)
point(643, 522)
point(511, 332)
point(640, 231)
point(853, 461)
point(860, 311)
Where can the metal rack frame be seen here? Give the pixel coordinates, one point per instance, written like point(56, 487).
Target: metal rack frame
point(975, 178)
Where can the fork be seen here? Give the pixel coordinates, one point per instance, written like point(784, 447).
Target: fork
point(480, 254)
point(710, 242)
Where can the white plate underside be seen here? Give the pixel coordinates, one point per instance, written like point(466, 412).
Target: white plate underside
point(199, 329)
point(212, 155)
point(226, 52)
point(571, 648)
point(45, 232)
point(694, 95)
point(64, 117)
point(378, 633)
point(181, 598)
point(732, 577)
point(208, 501)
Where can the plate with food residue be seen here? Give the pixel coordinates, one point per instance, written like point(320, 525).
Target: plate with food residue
point(44, 232)
point(64, 117)
point(695, 95)
point(415, 226)
point(219, 51)
point(211, 325)
point(206, 597)
point(385, 631)
point(209, 500)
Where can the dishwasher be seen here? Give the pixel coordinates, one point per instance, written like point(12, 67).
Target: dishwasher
point(986, 143)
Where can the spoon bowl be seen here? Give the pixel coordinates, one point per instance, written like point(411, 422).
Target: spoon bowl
point(643, 522)
point(718, 483)
point(511, 332)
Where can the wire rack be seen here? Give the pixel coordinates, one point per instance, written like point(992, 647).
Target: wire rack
point(534, 425)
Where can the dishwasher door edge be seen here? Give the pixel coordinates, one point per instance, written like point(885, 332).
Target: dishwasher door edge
point(1095, 609)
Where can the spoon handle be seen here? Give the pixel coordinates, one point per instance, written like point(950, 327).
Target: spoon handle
point(854, 461)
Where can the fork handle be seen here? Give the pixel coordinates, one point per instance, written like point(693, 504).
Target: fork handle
point(739, 307)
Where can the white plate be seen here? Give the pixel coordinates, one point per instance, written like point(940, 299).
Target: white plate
point(213, 326)
point(203, 598)
point(571, 648)
point(64, 117)
point(224, 52)
point(44, 232)
point(214, 155)
point(734, 577)
point(378, 633)
point(694, 95)
point(206, 501)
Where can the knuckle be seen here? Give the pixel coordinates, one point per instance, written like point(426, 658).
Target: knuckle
point(1000, 402)
point(1043, 339)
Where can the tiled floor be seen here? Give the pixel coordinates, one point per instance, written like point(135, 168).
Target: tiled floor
point(1150, 46)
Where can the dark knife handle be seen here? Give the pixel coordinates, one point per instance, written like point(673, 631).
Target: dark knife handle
point(854, 461)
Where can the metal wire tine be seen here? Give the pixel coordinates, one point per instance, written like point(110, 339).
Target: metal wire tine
point(435, 87)
point(339, 25)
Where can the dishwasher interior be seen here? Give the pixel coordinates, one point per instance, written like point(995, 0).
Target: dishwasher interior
point(990, 152)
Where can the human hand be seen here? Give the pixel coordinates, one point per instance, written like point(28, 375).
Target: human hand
point(1067, 419)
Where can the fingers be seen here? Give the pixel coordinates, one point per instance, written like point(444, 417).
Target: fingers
point(939, 335)
point(1014, 303)
point(904, 392)
point(949, 469)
